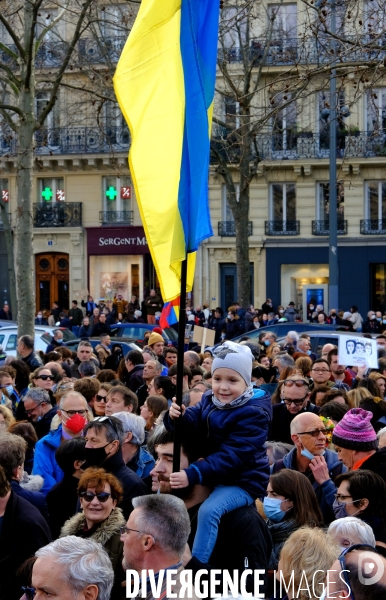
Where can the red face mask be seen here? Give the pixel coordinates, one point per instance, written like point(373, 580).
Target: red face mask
point(76, 423)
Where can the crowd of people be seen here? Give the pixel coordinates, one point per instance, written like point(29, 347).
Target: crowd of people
point(282, 466)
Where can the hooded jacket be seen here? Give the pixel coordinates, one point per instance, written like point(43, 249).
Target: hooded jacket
point(324, 492)
point(231, 441)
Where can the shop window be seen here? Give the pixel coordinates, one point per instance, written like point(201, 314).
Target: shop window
point(283, 203)
point(323, 201)
point(116, 204)
point(378, 286)
point(51, 190)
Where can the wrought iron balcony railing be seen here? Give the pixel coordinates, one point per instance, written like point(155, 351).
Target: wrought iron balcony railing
point(71, 140)
point(57, 214)
point(323, 227)
point(228, 228)
point(373, 227)
point(281, 50)
point(282, 227)
point(117, 216)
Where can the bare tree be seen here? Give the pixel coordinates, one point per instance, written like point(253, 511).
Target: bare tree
point(271, 63)
point(31, 31)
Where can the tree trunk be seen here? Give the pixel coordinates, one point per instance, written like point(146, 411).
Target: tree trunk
point(10, 258)
point(242, 249)
point(24, 246)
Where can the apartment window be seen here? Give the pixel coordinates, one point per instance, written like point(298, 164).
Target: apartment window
point(233, 29)
point(226, 210)
point(116, 130)
point(283, 202)
point(44, 20)
point(284, 125)
point(375, 200)
point(324, 104)
point(323, 201)
point(117, 193)
point(114, 20)
point(231, 112)
point(284, 20)
point(375, 18)
point(51, 190)
point(47, 136)
point(376, 110)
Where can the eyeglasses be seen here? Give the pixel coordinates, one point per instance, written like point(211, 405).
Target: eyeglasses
point(45, 377)
point(29, 592)
point(320, 370)
point(125, 530)
point(294, 382)
point(299, 402)
point(99, 398)
point(89, 496)
point(31, 410)
point(314, 432)
point(341, 497)
point(71, 413)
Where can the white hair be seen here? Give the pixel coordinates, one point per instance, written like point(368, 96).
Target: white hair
point(349, 527)
point(133, 424)
point(84, 562)
point(293, 335)
point(381, 432)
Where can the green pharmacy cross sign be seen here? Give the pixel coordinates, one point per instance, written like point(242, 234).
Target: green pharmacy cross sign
point(111, 193)
point(47, 194)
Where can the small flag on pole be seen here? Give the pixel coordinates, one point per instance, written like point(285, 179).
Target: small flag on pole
point(170, 313)
point(164, 83)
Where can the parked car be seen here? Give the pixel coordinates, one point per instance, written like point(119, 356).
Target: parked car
point(126, 345)
point(136, 331)
point(281, 329)
point(43, 336)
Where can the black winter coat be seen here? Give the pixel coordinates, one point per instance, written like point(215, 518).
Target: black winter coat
point(62, 501)
point(132, 484)
point(23, 532)
point(134, 379)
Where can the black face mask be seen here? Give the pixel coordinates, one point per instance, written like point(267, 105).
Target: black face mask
point(94, 457)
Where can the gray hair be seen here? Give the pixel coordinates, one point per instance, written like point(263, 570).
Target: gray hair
point(37, 395)
point(110, 426)
point(87, 368)
point(28, 341)
point(278, 449)
point(348, 527)
point(133, 424)
point(193, 357)
point(158, 366)
point(253, 346)
point(285, 360)
point(148, 350)
point(84, 562)
point(166, 518)
point(294, 336)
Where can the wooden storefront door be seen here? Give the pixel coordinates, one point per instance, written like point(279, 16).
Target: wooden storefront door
point(52, 280)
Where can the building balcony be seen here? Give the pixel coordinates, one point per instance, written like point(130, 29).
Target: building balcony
point(282, 227)
point(228, 228)
point(373, 227)
point(323, 227)
point(71, 140)
point(281, 50)
point(117, 217)
point(57, 214)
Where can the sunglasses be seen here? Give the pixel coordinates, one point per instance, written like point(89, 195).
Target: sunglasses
point(294, 382)
point(45, 377)
point(288, 401)
point(89, 496)
point(29, 592)
point(314, 432)
point(100, 398)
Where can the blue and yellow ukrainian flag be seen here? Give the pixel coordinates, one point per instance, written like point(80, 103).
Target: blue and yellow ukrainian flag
point(164, 83)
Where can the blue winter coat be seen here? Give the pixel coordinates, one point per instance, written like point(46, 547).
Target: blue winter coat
point(231, 441)
point(45, 462)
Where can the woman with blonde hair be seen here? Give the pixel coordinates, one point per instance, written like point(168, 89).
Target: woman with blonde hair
point(6, 419)
point(285, 374)
point(357, 395)
point(306, 557)
point(272, 351)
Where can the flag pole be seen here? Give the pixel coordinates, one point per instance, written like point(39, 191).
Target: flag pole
point(180, 364)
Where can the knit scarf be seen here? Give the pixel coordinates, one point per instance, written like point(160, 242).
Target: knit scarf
point(243, 399)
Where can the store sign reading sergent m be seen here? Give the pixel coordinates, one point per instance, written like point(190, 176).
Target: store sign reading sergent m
point(119, 241)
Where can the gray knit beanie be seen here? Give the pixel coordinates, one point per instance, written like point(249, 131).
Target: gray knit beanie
point(235, 357)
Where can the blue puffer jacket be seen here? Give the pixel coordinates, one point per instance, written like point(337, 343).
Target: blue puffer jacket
point(45, 462)
point(231, 441)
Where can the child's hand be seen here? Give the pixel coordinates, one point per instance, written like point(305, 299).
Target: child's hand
point(175, 410)
point(179, 480)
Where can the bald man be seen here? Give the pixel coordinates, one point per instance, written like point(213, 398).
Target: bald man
point(364, 577)
point(326, 349)
point(310, 457)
